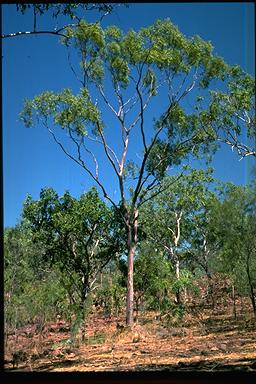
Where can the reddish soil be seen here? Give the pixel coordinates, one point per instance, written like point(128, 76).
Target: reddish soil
point(201, 343)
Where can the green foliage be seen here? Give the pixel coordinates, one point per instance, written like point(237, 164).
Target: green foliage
point(77, 234)
point(185, 281)
point(186, 194)
point(15, 260)
point(112, 294)
point(32, 295)
point(153, 276)
point(156, 60)
point(231, 114)
point(144, 62)
point(68, 111)
point(234, 220)
point(66, 9)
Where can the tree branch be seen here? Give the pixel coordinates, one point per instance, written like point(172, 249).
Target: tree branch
point(82, 164)
point(159, 191)
point(106, 147)
point(57, 32)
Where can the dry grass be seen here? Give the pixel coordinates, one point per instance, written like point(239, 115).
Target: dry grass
point(208, 343)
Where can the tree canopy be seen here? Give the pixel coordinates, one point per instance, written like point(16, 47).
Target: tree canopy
point(77, 235)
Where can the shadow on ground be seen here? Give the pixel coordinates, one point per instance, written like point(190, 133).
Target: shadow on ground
point(239, 365)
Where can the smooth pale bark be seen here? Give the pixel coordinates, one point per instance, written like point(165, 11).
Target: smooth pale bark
point(130, 292)
point(176, 238)
point(132, 235)
point(177, 267)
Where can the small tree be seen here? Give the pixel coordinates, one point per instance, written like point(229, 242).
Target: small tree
point(76, 234)
point(33, 292)
point(170, 219)
point(153, 278)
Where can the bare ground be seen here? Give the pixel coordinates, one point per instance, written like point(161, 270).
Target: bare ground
point(216, 343)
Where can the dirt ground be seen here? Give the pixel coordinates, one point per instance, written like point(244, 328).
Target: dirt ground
point(209, 343)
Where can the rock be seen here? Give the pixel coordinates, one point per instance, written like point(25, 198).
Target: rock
point(214, 348)
point(136, 338)
point(223, 347)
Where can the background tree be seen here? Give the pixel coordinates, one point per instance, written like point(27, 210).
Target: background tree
point(111, 291)
point(170, 218)
point(204, 243)
point(234, 218)
point(127, 74)
point(33, 292)
point(153, 279)
point(78, 236)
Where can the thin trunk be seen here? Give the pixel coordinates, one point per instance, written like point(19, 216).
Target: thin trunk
point(111, 299)
point(130, 292)
point(136, 317)
point(210, 290)
point(185, 294)
point(84, 296)
point(177, 266)
point(83, 323)
point(234, 301)
point(253, 300)
point(176, 238)
point(251, 285)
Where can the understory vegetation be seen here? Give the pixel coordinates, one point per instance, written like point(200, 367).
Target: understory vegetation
point(64, 247)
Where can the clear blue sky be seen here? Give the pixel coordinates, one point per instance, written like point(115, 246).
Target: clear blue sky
point(32, 64)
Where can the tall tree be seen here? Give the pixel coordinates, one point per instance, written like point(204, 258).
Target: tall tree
point(131, 76)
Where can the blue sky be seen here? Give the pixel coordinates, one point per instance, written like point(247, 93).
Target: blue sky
point(32, 64)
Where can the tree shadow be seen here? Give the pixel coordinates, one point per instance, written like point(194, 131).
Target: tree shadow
point(201, 366)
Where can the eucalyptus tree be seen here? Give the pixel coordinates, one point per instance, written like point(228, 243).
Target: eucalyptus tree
point(204, 242)
point(170, 218)
point(132, 106)
point(77, 235)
